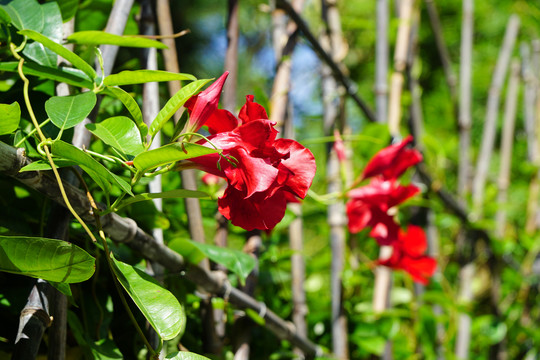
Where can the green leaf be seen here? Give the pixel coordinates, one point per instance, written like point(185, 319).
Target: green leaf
point(236, 261)
point(174, 104)
point(144, 76)
point(62, 287)
point(184, 355)
point(68, 75)
point(52, 29)
point(99, 173)
point(41, 165)
point(119, 132)
point(158, 305)
point(168, 154)
point(67, 111)
point(93, 37)
point(68, 8)
point(4, 16)
point(177, 193)
point(188, 250)
point(10, 115)
point(70, 56)
point(131, 105)
point(25, 14)
point(48, 259)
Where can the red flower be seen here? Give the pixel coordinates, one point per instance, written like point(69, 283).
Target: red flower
point(392, 161)
point(262, 172)
point(369, 207)
point(408, 255)
point(201, 106)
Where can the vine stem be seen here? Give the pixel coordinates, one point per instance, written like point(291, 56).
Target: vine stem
point(44, 139)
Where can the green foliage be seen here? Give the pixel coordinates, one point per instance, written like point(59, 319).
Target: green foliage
point(11, 115)
point(67, 111)
point(119, 132)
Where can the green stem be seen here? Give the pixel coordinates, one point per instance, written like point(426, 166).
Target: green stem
point(31, 133)
point(112, 159)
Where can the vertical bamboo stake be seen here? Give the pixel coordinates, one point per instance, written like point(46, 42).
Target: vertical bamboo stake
point(506, 147)
point(332, 42)
point(490, 122)
point(400, 61)
point(284, 41)
point(465, 98)
point(381, 64)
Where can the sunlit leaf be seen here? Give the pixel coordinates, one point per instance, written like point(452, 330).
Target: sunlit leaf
point(10, 116)
point(144, 76)
point(52, 29)
point(184, 355)
point(68, 8)
point(175, 103)
point(177, 193)
point(25, 14)
point(131, 105)
point(119, 132)
point(70, 56)
point(48, 259)
point(99, 173)
point(92, 37)
point(67, 111)
point(158, 305)
point(40, 165)
point(170, 153)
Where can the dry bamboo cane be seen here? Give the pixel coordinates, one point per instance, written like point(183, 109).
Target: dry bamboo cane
point(381, 64)
point(284, 37)
point(492, 110)
point(332, 42)
point(465, 98)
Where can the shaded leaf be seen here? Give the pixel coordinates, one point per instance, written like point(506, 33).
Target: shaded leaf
point(99, 173)
point(177, 193)
point(68, 8)
point(175, 103)
point(168, 154)
point(119, 132)
point(128, 77)
point(131, 105)
point(11, 116)
point(158, 305)
point(68, 75)
point(184, 355)
point(188, 250)
point(70, 56)
point(67, 111)
point(48, 259)
point(52, 29)
point(93, 37)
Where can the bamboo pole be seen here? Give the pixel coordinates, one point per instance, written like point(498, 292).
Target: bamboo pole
point(465, 98)
point(381, 61)
point(492, 109)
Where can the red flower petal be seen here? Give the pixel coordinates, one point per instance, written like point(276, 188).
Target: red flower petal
point(413, 242)
point(252, 111)
point(300, 163)
point(220, 121)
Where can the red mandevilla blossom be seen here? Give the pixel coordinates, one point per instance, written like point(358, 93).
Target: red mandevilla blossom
point(392, 161)
point(262, 172)
point(369, 207)
point(408, 255)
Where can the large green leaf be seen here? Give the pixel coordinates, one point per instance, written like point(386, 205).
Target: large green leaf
point(236, 261)
point(174, 104)
point(131, 105)
point(93, 37)
point(99, 173)
point(67, 111)
point(184, 355)
point(119, 132)
point(68, 8)
point(10, 116)
point(171, 194)
point(4, 16)
point(52, 29)
point(70, 56)
point(68, 75)
point(48, 259)
point(168, 154)
point(128, 77)
point(25, 14)
point(158, 305)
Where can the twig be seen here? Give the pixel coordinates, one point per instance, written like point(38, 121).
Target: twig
point(381, 61)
